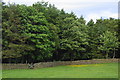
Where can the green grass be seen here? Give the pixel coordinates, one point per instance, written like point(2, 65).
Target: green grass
point(107, 70)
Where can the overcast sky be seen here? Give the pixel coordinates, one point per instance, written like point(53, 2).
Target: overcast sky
point(90, 9)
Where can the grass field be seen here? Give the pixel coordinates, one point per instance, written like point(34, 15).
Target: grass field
point(106, 70)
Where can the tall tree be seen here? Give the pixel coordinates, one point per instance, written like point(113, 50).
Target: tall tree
point(108, 42)
point(13, 39)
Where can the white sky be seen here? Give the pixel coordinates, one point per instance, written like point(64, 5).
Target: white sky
point(90, 9)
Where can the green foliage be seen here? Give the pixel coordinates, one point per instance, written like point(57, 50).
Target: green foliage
point(42, 32)
point(108, 42)
point(12, 32)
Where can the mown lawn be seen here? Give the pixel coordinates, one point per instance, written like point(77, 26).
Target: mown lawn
point(106, 70)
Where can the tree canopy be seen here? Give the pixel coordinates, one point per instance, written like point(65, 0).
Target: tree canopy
point(42, 32)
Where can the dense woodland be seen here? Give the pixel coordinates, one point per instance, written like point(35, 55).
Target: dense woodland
point(41, 33)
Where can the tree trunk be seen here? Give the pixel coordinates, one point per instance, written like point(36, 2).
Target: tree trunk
point(114, 54)
point(16, 60)
point(26, 62)
point(9, 60)
point(22, 61)
point(71, 55)
point(106, 55)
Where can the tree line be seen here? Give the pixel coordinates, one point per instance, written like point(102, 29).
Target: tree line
point(41, 33)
